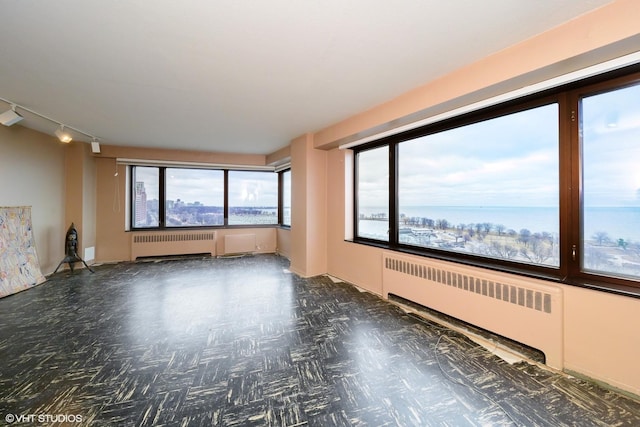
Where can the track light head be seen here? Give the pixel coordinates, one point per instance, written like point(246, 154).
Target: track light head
point(62, 135)
point(95, 146)
point(10, 117)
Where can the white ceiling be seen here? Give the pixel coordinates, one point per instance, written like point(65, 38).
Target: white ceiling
point(238, 75)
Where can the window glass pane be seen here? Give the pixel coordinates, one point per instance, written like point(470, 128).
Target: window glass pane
point(373, 193)
point(611, 182)
point(286, 198)
point(489, 188)
point(253, 197)
point(194, 197)
point(146, 197)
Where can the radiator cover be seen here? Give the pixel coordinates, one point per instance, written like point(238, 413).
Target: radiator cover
point(526, 310)
point(166, 243)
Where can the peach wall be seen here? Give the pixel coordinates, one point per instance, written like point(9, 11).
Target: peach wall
point(112, 242)
point(316, 210)
point(308, 208)
point(80, 193)
point(280, 156)
point(265, 238)
point(114, 151)
point(601, 337)
point(298, 255)
point(74, 173)
point(283, 239)
point(32, 174)
point(89, 200)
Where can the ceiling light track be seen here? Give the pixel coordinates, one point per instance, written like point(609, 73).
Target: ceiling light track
point(63, 135)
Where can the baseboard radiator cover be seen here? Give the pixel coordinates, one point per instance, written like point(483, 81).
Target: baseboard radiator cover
point(526, 310)
point(167, 243)
point(239, 244)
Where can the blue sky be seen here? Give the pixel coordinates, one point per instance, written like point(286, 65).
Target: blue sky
point(611, 140)
point(513, 160)
point(509, 161)
point(246, 188)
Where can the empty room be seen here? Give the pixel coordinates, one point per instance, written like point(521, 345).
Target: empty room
point(337, 213)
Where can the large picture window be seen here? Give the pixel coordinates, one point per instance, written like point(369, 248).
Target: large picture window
point(545, 186)
point(170, 197)
point(194, 197)
point(253, 198)
point(146, 197)
point(373, 194)
point(488, 188)
point(286, 197)
point(610, 146)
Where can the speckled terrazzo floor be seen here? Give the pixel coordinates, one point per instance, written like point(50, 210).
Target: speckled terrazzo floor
point(243, 342)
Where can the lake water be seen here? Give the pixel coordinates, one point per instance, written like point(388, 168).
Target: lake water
point(617, 222)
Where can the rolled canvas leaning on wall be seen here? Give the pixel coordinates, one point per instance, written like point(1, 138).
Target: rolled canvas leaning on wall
point(19, 266)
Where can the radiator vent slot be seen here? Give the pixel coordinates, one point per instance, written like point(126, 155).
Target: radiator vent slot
point(183, 237)
point(529, 298)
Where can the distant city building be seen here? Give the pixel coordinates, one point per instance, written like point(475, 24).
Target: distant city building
point(153, 205)
point(141, 204)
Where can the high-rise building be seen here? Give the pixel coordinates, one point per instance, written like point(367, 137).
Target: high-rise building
point(141, 204)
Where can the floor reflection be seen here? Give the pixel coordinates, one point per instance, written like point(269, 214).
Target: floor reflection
point(245, 342)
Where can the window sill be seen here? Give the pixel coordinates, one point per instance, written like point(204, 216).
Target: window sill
point(627, 291)
point(206, 227)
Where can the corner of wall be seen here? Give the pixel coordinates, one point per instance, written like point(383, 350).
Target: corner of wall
point(309, 207)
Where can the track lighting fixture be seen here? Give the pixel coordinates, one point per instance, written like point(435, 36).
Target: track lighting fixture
point(10, 117)
point(95, 146)
point(62, 135)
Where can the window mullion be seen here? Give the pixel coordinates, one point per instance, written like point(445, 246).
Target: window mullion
point(226, 198)
point(132, 196)
point(569, 184)
point(356, 206)
point(162, 199)
point(393, 195)
point(280, 197)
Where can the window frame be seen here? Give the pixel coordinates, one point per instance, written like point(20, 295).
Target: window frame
point(570, 186)
point(576, 273)
point(227, 192)
point(162, 226)
point(356, 211)
point(132, 198)
point(281, 206)
point(163, 201)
